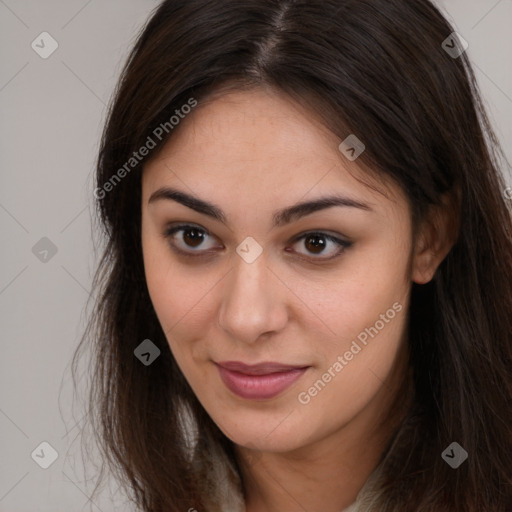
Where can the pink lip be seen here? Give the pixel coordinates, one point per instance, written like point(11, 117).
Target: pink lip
point(260, 381)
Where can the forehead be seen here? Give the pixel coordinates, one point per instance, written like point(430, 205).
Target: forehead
point(258, 147)
point(253, 126)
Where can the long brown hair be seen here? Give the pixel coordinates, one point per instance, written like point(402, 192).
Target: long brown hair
point(374, 68)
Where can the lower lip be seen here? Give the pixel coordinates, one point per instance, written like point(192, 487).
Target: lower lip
point(259, 387)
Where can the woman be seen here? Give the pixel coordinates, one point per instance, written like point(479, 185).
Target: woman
point(304, 299)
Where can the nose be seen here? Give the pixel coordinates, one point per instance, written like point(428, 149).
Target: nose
point(254, 301)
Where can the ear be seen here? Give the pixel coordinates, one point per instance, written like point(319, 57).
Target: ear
point(435, 238)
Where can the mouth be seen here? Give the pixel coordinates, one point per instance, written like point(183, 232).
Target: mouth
point(260, 381)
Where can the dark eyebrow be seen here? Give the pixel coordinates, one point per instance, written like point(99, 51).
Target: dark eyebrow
point(279, 218)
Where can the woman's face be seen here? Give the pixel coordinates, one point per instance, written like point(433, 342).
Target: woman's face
point(256, 288)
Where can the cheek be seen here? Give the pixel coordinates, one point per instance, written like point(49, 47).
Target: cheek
point(172, 288)
point(365, 307)
point(365, 287)
point(179, 294)
point(168, 294)
point(344, 387)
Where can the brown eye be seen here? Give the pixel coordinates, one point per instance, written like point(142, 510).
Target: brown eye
point(192, 237)
point(316, 243)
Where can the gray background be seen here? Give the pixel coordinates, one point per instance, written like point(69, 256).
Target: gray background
point(52, 115)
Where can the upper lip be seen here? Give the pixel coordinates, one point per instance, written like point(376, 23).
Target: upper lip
point(259, 368)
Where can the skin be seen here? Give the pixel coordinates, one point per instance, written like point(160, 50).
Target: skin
point(251, 153)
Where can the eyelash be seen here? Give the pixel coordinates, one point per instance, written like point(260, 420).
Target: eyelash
point(184, 227)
